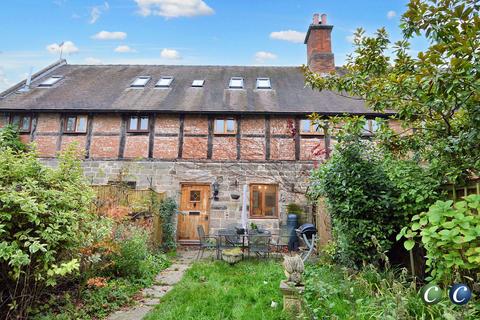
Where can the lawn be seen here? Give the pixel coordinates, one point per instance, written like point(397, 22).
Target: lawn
point(216, 290)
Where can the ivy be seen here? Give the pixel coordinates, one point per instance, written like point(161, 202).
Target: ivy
point(167, 210)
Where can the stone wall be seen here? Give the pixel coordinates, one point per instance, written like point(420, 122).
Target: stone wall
point(167, 176)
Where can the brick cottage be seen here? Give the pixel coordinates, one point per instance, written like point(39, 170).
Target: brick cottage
point(189, 131)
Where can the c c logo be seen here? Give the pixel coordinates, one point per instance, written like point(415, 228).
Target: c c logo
point(460, 294)
point(431, 294)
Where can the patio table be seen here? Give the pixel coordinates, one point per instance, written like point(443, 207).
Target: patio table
point(228, 239)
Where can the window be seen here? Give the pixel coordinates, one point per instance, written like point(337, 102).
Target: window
point(225, 126)
point(140, 82)
point(164, 82)
point(23, 122)
point(138, 124)
point(264, 83)
point(198, 83)
point(236, 83)
point(195, 196)
point(370, 127)
point(308, 126)
point(263, 201)
point(50, 81)
point(76, 124)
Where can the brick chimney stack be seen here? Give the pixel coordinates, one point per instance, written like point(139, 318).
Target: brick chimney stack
point(319, 45)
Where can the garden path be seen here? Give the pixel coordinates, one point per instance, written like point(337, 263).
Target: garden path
point(164, 282)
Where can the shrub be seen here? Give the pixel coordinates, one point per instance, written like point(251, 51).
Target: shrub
point(450, 234)
point(10, 139)
point(167, 210)
point(43, 221)
point(360, 198)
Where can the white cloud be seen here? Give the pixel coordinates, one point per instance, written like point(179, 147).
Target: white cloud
point(391, 14)
point(170, 54)
point(68, 47)
point(124, 49)
point(109, 35)
point(289, 35)
point(262, 56)
point(173, 8)
point(97, 11)
point(91, 60)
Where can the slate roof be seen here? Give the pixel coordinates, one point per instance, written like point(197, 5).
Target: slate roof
point(106, 88)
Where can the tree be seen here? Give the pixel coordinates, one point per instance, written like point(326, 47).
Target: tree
point(435, 94)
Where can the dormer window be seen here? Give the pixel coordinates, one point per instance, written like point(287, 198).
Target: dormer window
point(164, 82)
point(50, 81)
point(198, 83)
point(22, 121)
point(236, 83)
point(264, 83)
point(140, 82)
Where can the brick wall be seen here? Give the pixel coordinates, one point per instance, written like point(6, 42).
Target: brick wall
point(170, 136)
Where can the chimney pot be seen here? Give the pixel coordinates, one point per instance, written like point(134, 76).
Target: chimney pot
point(316, 19)
point(324, 18)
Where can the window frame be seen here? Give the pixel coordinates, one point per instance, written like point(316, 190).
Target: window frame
point(250, 211)
point(139, 119)
point(164, 86)
point(225, 132)
point(43, 84)
point(258, 87)
point(133, 85)
point(231, 86)
point(367, 130)
point(65, 124)
point(20, 124)
point(311, 132)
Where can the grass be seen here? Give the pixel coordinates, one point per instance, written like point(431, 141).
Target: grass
point(333, 293)
point(216, 290)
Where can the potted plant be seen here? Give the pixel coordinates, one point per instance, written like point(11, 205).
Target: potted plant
point(232, 256)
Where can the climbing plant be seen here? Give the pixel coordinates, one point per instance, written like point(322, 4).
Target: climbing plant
point(167, 210)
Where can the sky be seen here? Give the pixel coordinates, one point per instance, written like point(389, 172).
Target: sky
point(198, 32)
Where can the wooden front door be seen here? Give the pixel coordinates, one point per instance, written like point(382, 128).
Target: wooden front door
point(194, 205)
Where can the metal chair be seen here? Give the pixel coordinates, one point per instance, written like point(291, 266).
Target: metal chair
point(227, 239)
point(205, 242)
point(259, 243)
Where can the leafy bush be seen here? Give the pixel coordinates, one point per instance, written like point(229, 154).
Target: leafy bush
point(9, 138)
point(167, 210)
point(360, 198)
point(450, 234)
point(335, 293)
point(44, 220)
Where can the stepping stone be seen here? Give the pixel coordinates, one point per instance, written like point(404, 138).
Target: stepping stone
point(169, 278)
point(156, 291)
point(136, 313)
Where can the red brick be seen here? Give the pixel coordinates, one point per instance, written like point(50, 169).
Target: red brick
point(136, 147)
point(46, 146)
point(282, 149)
point(104, 147)
point(194, 148)
point(106, 123)
point(79, 140)
point(167, 124)
point(310, 146)
point(25, 138)
point(165, 148)
point(224, 148)
point(48, 122)
point(252, 149)
point(253, 125)
point(4, 118)
point(279, 125)
point(196, 125)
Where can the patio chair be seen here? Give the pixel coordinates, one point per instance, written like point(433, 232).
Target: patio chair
point(259, 243)
point(227, 239)
point(205, 242)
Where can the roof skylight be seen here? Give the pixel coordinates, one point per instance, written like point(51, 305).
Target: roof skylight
point(236, 83)
point(140, 82)
point(198, 83)
point(264, 83)
point(164, 82)
point(50, 81)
